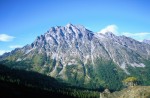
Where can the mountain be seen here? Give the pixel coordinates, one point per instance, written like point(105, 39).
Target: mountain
point(76, 55)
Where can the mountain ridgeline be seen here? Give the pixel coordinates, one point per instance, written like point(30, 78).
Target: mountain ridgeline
point(76, 55)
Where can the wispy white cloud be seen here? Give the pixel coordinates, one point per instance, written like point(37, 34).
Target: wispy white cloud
point(15, 46)
point(136, 34)
point(140, 36)
point(110, 28)
point(6, 38)
point(3, 51)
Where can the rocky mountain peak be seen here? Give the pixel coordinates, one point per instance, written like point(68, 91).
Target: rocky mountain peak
point(110, 35)
point(61, 42)
point(69, 25)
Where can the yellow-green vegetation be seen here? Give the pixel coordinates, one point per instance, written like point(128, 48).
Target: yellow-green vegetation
point(130, 81)
point(38, 59)
point(15, 57)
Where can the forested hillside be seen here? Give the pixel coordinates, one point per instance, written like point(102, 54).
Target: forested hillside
point(20, 83)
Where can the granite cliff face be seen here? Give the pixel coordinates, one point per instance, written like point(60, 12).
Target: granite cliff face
point(80, 56)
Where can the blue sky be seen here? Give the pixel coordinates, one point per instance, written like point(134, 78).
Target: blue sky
point(21, 21)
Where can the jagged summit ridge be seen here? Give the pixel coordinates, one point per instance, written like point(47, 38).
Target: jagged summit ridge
point(61, 42)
